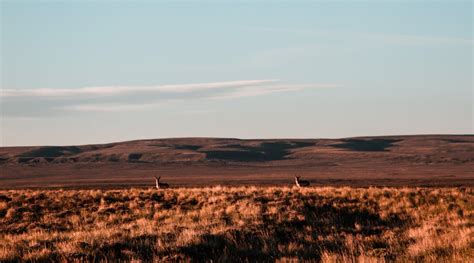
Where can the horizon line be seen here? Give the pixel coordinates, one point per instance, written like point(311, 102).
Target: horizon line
point(247, 139)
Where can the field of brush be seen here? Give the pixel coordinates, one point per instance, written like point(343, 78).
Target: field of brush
point(238, 224)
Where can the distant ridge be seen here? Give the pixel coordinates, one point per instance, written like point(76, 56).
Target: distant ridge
point(430, 159)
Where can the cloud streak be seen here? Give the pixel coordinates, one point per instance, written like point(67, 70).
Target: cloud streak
point(112, 107)
point(124, 90)
point(401, 39)
point(259, 91)
point(112, 99)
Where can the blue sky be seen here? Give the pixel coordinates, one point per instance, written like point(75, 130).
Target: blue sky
point(94, 72)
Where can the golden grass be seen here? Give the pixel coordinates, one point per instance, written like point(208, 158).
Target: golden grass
point(223, 224)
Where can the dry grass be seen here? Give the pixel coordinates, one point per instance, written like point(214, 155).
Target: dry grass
point(239, 224)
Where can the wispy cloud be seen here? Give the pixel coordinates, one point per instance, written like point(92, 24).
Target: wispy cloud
point(404, 39)
point(136, 98)
point(124, 90)
point(259, 91)
point(112, 107)
point(398, 39)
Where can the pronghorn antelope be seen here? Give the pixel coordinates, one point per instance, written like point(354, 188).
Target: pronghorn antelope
point(160, 185)
point(301, 183)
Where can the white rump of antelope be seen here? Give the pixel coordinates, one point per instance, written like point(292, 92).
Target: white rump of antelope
point(301, 183)
point(160, 185)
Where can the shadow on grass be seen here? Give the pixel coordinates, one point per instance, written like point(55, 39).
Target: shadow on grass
point(304, 238)
point(370, 145)
point(267, 151)
point(52, 151)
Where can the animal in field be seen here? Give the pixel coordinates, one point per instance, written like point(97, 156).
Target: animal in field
point(160, 185)
point(301, 183)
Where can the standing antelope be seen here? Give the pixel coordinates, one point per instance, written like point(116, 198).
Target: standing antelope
point(300, 183)
point(160, 185)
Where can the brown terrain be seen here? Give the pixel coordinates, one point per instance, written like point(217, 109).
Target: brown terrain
point(420, 160)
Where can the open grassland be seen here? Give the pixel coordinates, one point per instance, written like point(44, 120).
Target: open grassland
point(238, 224)
point(419, 160)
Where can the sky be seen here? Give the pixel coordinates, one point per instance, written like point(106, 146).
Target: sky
point(83, 72)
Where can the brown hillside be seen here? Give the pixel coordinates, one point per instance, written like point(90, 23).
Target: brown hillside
point(390, 160)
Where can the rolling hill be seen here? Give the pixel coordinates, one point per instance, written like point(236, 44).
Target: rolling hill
point(362, 161)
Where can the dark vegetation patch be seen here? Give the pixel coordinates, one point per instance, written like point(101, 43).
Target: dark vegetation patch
point(52, 151)
point(187, 147)
point(24, 159)
point(5, 198)
point(267, 151)
point(238, 156)
point(134, 157)
point(369, 145)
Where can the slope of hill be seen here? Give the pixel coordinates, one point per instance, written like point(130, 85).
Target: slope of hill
point(388, 160)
